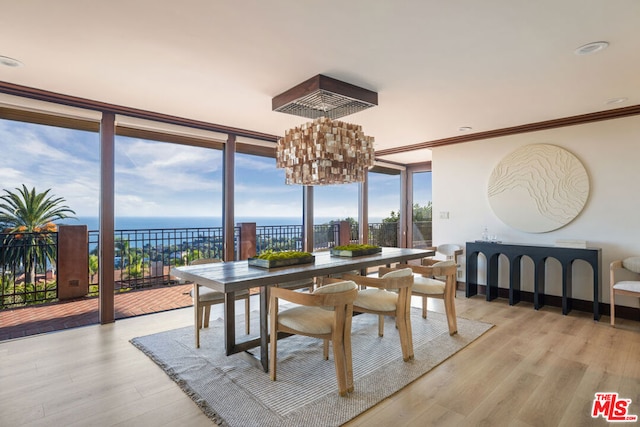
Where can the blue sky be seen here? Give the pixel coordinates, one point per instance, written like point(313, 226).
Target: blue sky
point(162, 179)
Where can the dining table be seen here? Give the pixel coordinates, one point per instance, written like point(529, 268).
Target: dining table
point(234, 276)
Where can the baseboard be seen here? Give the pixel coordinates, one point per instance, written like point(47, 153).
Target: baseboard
point(623, 312)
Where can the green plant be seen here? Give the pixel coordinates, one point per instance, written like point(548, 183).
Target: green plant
point(420, 213)
point(93, 267)
point(355, 247)
point(273, 255)
point(28, 216)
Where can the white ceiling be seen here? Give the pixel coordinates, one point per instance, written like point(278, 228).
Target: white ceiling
point(436, 65)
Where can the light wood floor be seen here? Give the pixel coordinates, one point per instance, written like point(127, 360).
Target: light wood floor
point(534, 368)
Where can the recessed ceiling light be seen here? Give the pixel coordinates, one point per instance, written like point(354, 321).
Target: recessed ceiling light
point(616, 100)
point(465, 128)
point(590, 48)
point(10, 62)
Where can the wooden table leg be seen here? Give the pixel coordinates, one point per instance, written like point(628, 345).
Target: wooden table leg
point(196, 311)
point(230, 322)
point(264, 328)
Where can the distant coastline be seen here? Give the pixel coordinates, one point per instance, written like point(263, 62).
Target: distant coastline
point(140, 223)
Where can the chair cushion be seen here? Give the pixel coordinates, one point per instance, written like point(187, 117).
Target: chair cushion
point(632, 264)
point(444, 263)
point(398, 273)
point(209, 295)
point(427, 286)
point(333, 288)
point(310, 320)
point(441, 264)
point(376, 299)
point(628, 285)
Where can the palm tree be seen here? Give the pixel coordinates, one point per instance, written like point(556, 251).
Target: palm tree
point(29, 220)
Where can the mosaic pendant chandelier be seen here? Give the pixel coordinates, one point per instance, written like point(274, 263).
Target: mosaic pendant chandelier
point(325, 151)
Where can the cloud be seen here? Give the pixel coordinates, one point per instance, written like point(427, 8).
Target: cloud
point(162, 179)
point(46, 157)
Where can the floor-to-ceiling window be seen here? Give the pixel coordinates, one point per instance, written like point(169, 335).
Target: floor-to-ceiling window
point(421, 215)
point(335, 203)
point(59, 166)
point(384, 208)
point(168, 207)
point(261, 196)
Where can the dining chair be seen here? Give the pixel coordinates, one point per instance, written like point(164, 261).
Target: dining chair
point(208, 297)
point(450, 251)
point(324, 313)
point(623, 287)
point(388, 295)
point(437, 280)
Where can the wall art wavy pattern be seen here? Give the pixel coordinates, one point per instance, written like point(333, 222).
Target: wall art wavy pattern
point(538, 188)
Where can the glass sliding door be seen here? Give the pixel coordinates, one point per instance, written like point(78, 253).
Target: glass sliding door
point(261, 196)
point(384, 208)
point(168, 206)
point(61, 165)
point(332, 204)
point(421, 210)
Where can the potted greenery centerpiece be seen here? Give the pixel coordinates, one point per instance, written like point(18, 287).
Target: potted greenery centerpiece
point(355, 249)
point(272, 259)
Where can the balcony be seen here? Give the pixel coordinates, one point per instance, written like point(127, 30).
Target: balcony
point(49, 302)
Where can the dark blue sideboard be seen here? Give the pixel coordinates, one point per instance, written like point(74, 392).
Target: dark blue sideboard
point(538, 254)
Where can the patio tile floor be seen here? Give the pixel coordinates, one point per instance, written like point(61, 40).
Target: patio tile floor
point(37, 319)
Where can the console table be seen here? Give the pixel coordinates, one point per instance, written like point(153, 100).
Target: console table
point(538, 254)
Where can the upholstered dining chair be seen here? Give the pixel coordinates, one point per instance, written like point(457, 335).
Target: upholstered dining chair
point(325, 314)
point(388, 295)
point(208, 297)
point(623, 287)
point(437, 280)
point(450, 251)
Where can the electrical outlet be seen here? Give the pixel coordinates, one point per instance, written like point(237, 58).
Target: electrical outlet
point(444, 215)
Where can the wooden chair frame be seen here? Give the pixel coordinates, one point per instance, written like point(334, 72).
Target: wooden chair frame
point(340, 335)
point(448, 296)
point(616, 265)
point(402, 313)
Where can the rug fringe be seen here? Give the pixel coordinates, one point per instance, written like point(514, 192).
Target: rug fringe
point(195, 397)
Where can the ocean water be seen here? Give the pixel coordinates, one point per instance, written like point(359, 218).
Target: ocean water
point(141, 223)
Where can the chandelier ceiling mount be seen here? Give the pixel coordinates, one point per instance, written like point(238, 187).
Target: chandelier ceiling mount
point(325, 151)
point(323, 96)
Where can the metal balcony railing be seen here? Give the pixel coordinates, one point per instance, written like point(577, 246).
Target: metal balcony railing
point(144, 257)
point(27, 268)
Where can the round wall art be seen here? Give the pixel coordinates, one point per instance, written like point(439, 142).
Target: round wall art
point(538, 188)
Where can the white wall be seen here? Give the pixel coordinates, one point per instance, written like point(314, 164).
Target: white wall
point(610, 152)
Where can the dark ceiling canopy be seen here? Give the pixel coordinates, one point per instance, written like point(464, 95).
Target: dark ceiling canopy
point(323, 96)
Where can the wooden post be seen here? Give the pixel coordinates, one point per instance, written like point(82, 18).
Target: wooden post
point(345, 233)
point(363, 210)
point(228, 214)
point(107, 221)
point(247, 239)
point(73, 261)
point(308, 244)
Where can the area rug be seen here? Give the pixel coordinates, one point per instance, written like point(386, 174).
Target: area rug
point(233, 392)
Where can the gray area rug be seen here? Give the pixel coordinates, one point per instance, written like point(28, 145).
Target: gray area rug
point(233, 392)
